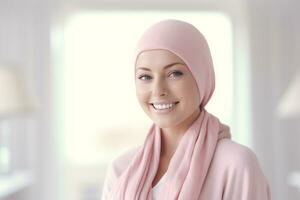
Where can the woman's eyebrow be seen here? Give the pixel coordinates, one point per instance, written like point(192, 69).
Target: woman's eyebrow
point(165, 67)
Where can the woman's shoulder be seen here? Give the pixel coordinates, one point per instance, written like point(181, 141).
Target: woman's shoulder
point(115, 169)
point(235, 173)
point(119, 164)
point(234, 155)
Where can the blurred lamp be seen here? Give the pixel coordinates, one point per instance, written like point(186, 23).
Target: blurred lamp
point(289, 105)
point(14, 100)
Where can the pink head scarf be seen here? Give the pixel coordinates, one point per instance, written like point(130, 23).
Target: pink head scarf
point(190, 163)
point(184, 40)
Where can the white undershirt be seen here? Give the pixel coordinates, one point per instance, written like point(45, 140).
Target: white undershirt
point(157, 187)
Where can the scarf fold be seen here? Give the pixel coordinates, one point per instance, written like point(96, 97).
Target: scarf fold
point(187, 168)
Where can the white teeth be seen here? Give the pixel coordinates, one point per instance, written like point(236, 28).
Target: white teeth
point(163, 106)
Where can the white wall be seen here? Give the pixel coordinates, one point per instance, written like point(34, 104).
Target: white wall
point(273, 59)
point(24, 40)
point(274, 32)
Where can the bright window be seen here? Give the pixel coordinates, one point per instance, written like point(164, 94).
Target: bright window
point(100, 114)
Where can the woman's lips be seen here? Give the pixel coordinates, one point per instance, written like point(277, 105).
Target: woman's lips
point(164, 107)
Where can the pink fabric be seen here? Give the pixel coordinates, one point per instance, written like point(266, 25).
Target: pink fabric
point(187, 169)
point(234, 174)
point(191, 161)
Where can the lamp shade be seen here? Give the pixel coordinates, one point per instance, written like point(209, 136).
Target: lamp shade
point(14, 98)
point(289, 105)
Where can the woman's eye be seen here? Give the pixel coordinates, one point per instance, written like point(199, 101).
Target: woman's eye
point(144, 77)
point(176, 74)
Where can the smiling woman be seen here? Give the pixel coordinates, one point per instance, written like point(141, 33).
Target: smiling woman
point(188, 153)
point(171, 101)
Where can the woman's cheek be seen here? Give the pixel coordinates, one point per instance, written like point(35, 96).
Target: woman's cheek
point(142, 92)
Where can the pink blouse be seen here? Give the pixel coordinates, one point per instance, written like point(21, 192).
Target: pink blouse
point(234, 174)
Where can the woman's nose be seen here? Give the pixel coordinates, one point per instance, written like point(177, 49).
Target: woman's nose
point(159, 88)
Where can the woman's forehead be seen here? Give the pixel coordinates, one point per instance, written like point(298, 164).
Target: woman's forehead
point(157, 58)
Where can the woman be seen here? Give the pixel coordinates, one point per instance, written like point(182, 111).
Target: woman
point(187, 154)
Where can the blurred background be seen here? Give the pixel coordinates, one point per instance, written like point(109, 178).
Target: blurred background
point(67, 96)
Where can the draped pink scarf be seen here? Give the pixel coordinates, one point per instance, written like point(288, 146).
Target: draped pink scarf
point(189, 165)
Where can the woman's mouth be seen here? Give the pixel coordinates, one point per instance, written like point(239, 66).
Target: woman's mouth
point(164, 107)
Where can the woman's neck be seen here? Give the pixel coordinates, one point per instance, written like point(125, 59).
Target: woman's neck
point(170, 137)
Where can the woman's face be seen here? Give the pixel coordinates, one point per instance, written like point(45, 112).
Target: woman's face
point(165, 88)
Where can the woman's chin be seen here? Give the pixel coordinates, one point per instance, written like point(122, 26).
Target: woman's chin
point(164, 123)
